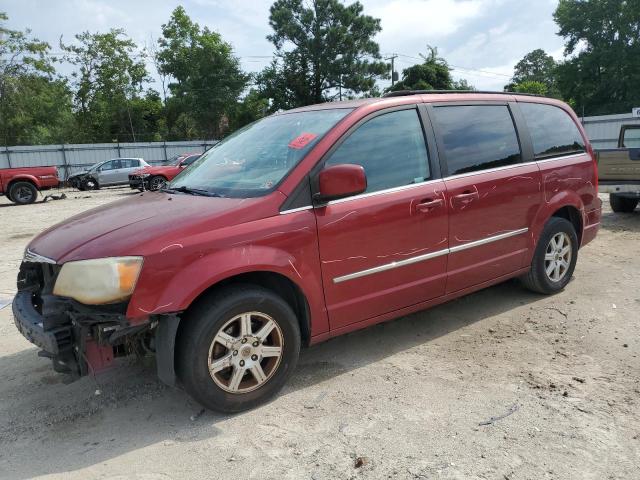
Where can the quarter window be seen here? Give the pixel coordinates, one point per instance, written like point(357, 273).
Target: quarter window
point(477, 137)
point(553, 132)
point(390, 148)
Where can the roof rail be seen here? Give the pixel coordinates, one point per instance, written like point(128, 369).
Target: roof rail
point(404, 93)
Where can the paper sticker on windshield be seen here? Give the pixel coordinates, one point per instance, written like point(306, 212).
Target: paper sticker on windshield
point(302, 140)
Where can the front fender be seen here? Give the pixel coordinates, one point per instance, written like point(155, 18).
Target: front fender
point(172, 279)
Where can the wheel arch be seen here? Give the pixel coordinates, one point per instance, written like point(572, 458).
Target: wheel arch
point(565, 204)
point(171, 327)
point(277, 283)
point(571, 213)
point(23, 178)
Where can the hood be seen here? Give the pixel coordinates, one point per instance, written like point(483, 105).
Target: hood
point(135, 226)
point(156, 170)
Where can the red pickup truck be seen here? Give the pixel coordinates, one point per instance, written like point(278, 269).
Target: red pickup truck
point(21, 185)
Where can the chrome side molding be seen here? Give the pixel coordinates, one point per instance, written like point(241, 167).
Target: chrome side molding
point(429, 256)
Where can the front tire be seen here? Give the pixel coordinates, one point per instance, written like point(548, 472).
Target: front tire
point(23, 193)
point(237, 348)
point(157, 182)
point(554, 259)
point(622, 204)
point(90, 184)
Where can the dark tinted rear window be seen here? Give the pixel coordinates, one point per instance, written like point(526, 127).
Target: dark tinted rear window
point(477, 137)
point(552, 130)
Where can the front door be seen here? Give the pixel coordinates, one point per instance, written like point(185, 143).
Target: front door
point(384, 249)
point(109, 172)
point(493, 196)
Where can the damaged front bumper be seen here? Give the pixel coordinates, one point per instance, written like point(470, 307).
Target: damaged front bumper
point(79, 339)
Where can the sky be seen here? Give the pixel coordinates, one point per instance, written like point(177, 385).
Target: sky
point(481, 39)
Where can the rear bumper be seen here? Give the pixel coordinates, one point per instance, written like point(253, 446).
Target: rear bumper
point(621, 188)
point(137, 182)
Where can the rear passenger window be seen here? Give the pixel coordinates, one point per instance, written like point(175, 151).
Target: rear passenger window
point(390, 148)
point(477, 137)
point(552, 130)
point(631, 138)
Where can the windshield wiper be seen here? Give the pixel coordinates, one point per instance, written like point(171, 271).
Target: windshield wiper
point(191, 191)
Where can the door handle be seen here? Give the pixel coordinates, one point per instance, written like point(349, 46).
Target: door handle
point(466, 197)
point(429, 204)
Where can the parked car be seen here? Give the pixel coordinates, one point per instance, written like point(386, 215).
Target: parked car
point(107, 173)
point(619, 170)
point(21, 185)
point(154, 178)
point(309, 224)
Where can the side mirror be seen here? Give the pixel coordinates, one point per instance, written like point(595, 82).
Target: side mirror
point(340, 181)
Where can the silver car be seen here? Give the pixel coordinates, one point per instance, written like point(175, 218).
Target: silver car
point(111, 172)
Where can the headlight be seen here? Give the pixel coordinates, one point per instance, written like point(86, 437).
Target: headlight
point(144, 175)
point(98, 281)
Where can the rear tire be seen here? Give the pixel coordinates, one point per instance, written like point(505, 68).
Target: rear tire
point(554, 259)
point(23, 193)
point(621, 204)
point(225, 359)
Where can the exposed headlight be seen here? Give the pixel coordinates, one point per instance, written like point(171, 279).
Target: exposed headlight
point(144, 175)
point(99, 281)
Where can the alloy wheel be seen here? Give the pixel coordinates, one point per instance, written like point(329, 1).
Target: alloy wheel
point(22, 195)
point(157, 183)
point(557, 258)
point(246, 352)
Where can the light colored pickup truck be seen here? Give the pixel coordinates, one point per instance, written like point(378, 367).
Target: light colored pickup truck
point(619, 170)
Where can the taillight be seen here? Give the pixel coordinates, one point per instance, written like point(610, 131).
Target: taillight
point(594, 157)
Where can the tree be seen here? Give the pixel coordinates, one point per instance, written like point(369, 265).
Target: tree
point(322, 47)
point(251, 108)
point(432, 74)
point(35, 105)
point(603, 38)
point(531, 86)
point(205, 78)
point(536, 66)
point(109, 77)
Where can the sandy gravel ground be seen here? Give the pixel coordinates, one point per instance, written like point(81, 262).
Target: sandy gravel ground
point(401, 400)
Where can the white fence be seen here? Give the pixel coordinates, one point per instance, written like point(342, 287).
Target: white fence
point(72, 158)
point(603, 130)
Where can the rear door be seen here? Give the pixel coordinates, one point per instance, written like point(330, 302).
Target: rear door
point(384, 249)
point(493, 195)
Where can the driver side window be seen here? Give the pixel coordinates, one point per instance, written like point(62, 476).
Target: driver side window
point(390, 147)
point(106, 166)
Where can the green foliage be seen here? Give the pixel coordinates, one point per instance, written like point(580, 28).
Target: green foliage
point(321, 46)
point(433, 74)
point(34, 103)
point(251, 108)
point(531, 86)
point(205, 77)
point(108, 78)
point(536, 66)
point(603, 38)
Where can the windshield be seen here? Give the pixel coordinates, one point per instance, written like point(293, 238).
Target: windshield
point(257, 157)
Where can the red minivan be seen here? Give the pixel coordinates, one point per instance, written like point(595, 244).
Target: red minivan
point(309, 224)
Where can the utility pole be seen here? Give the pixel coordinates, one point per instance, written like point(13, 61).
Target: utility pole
point(394, 75)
